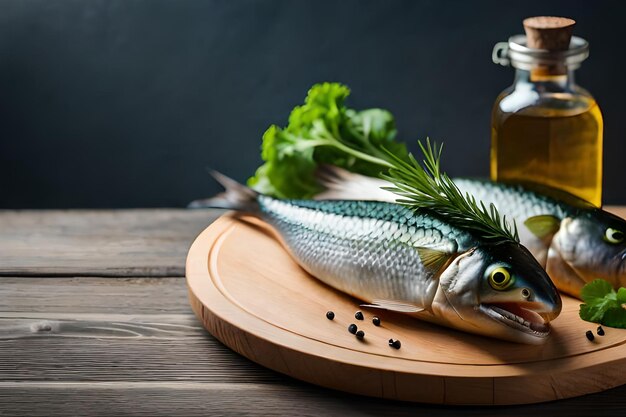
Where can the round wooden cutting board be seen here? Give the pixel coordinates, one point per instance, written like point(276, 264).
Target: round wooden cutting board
point(254, 298)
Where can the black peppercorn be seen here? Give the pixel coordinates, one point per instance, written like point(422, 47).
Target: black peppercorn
point(358, 315)
point(360, 334)
point(395, 343)
point(330, 315)
point(352, 328)
point(600, 331)
point(376, 321)
point(589, 335)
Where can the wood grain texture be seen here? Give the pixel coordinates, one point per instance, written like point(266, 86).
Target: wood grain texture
point(108, 329)
point(140, 242)
point(252, 296)
point(115, 348)
point(249, 399)
point(94, 295)
point(92, 362)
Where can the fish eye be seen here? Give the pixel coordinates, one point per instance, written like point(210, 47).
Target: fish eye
point(613, 236)
point(500, 278)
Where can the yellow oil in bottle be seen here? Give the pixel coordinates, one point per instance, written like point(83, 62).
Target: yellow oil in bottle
point(558, 144)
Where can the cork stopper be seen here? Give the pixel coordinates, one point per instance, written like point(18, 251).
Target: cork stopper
point(548, 32)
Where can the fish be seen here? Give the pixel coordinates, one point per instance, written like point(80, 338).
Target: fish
point(573, 240)
point(412, 262)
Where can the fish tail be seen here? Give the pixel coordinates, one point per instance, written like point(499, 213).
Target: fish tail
point(235, 197)
point(341, 184)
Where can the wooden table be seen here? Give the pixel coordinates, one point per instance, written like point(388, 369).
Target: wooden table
point(94, 319)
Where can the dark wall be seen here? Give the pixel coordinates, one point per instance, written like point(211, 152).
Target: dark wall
point(124, 103)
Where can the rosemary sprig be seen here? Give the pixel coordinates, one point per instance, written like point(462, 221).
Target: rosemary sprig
point(428, 188)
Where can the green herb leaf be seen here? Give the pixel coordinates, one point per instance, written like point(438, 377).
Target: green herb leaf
point(615, 317)
point(594, 312)
point(324, 131)
point(596, 290)
point(294, 173)
point(603, 304)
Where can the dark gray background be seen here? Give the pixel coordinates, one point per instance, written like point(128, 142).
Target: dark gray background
point(124, 103)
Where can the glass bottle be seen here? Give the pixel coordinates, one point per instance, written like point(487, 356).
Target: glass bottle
point(545, 129)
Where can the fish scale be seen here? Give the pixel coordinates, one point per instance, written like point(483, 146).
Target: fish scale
point(364, 248)
point(520, 203)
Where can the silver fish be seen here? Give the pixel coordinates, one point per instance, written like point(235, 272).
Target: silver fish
point(411, 262)
point(574, 241)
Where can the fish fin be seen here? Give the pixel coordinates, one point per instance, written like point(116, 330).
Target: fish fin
point(391, 305)
point(341, 184)
point(543, 226)
point(433, 259)
point(235, 197)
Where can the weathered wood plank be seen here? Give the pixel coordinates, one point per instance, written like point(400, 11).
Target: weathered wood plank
point(218, 399)
point(97, 355)
point(141, 242)
point(94, 295)
point(118, 348)
point(110, 329)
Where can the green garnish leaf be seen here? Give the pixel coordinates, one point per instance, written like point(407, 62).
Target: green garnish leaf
point(615, 317)
point(324, 131)
point(602, 304)
point(596, 291)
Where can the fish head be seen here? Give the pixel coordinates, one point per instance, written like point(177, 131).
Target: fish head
point(500, 290)
point(588, 246)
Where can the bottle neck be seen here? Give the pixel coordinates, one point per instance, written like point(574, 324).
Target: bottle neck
point(539, 79)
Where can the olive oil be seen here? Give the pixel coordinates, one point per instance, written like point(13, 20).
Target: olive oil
point(560, 147)
point(545, 129)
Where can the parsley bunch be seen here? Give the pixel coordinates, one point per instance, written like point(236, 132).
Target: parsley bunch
point(603, 304)
point(324, 131)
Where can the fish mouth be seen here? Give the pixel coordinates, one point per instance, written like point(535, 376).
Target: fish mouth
point(518, 318)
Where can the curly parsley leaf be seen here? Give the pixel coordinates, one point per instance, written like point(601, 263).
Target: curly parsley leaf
point(603, 304)
point(324, 131)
